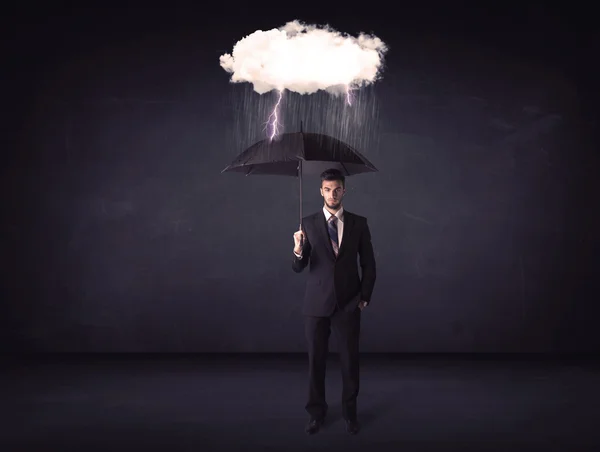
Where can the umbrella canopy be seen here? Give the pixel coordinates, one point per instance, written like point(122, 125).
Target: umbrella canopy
point(293, 154)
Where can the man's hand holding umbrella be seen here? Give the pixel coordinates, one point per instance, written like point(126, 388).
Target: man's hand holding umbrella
point(298, 241)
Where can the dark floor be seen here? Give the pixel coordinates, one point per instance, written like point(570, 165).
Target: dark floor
point(201, 404)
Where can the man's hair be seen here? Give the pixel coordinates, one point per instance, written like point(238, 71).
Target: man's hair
point(333, 174)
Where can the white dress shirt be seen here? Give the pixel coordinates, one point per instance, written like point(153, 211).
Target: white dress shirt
point(340, 225)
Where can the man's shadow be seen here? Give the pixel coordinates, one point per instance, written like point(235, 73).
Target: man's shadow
point(366, 417)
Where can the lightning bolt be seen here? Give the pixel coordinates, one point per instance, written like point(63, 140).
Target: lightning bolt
point(348, 95)
point(273, 121)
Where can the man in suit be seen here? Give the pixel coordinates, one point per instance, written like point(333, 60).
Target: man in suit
point(330, 241)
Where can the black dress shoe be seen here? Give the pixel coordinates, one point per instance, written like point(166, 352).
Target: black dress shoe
point(313, 426)
point(352, 427)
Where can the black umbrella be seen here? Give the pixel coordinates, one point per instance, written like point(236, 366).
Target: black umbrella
point(294, 154)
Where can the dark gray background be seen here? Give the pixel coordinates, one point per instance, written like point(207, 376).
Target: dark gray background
point(121, 234)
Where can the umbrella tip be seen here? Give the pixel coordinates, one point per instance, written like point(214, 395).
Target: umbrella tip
point(301, 126)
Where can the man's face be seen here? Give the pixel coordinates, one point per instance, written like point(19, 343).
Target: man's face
point(332, 192)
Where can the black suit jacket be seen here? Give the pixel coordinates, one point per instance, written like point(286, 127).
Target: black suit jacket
point(336, 281)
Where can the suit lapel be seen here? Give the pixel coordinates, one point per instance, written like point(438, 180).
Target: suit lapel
point(322, 227)
point(348, 224)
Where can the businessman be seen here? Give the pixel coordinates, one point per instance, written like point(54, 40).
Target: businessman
point(329, 242)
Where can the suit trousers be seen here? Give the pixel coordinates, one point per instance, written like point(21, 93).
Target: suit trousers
point(346, 326)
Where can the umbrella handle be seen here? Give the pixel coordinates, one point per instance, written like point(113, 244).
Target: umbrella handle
point(301, 237)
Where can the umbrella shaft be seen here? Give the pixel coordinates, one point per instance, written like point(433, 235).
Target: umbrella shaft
point(300, 184)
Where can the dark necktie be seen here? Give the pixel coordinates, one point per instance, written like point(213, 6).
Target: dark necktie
point(333, 233)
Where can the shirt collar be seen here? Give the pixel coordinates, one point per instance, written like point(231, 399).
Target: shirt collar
point(339, 214)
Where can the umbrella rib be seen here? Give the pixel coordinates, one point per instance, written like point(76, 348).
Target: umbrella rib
point(345, 169)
